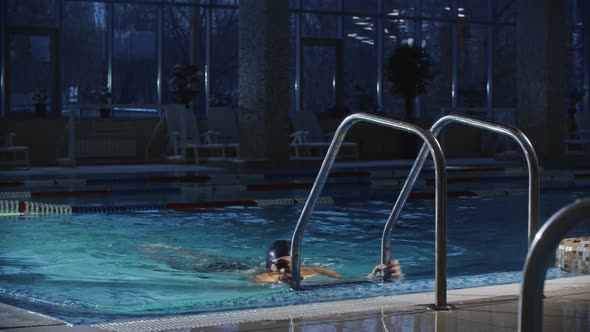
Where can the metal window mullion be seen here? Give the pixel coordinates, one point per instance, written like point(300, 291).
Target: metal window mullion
point(454, 54)
point(418, 41)
point(159, 53)
point(380, 48)
point(298, 51)
point(336, 73)
point(340, 19)
point(586, 36)
point(208, 32)
point(3, 42)
point(490, 62)
point(55, 84)
point(110, 43)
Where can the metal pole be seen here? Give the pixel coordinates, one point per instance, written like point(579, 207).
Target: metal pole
point(440, 196)
point(490, 62)
point(530, 303)
point(379, 47)
point(110, 44)
point(159, 54)
point(454, 54)
point(298, 64)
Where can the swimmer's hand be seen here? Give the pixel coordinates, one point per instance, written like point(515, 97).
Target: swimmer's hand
point(391, 269)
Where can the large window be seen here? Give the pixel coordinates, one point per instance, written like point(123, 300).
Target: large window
point(472, 9)
point(342, 34)
point(183, 33)
point(437, 40)
point(360, 64)
point(437, 8)
point(224, 58)
point(472, 65)
point(396, 32)
point(394, 8)
point(135, 54)
point(360, 6)
point(320, 4)
point(319, 26)
point(37, 13)
point(84, 64)
point(504, 62)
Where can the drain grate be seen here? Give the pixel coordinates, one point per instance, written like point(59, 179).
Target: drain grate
point(302, 311)
point(13, 317)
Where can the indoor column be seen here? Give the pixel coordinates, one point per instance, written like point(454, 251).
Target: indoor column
point(541, 84)
point(264, 79)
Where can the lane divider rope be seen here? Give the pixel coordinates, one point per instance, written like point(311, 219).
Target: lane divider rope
point(14, 207)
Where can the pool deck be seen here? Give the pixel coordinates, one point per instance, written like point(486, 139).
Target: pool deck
point(492, 308)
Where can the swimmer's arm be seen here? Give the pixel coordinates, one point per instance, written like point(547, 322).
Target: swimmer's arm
point(314, 271)
point(306, 272)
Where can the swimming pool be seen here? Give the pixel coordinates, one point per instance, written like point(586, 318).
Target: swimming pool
point(101, 267)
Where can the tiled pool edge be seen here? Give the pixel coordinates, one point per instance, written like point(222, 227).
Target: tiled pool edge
point(330, 308)
point(14, 317)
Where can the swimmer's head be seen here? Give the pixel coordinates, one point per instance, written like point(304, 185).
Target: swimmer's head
point(278, 255)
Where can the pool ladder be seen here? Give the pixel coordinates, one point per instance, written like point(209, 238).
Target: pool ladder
point(530, 303)
point(431, 145)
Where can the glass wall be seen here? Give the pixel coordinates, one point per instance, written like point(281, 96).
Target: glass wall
point(184, 33)
point(84, 66)
point(32, 13)
point(224, 51)
point(132, 47)
point(472, 65)
point(360, 64)
point(437, 40)
point(135, 70)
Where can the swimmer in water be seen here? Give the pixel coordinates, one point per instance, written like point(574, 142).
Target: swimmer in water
point(278, 263)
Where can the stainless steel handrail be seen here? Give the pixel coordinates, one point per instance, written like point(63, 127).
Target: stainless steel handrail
point(440, 197)
point(530, 303)
point(517, 135)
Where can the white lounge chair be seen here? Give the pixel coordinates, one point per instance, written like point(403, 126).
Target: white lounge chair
point(308, 140)
point(14, 155)
point(183, 133)
point(222, 134)
point(580, 141)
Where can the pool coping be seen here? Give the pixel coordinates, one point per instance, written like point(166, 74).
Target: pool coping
point(395, 303)
point(316, 310)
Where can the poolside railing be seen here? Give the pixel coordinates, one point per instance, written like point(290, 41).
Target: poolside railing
point(530, 303)
point(440, 198)
point(514, 133)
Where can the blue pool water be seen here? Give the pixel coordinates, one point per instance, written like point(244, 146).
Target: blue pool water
point(101, 267)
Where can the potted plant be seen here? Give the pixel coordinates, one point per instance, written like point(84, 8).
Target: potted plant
point(39, 98)
point(408, 69)
point(104, 97)
point(185, 83)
